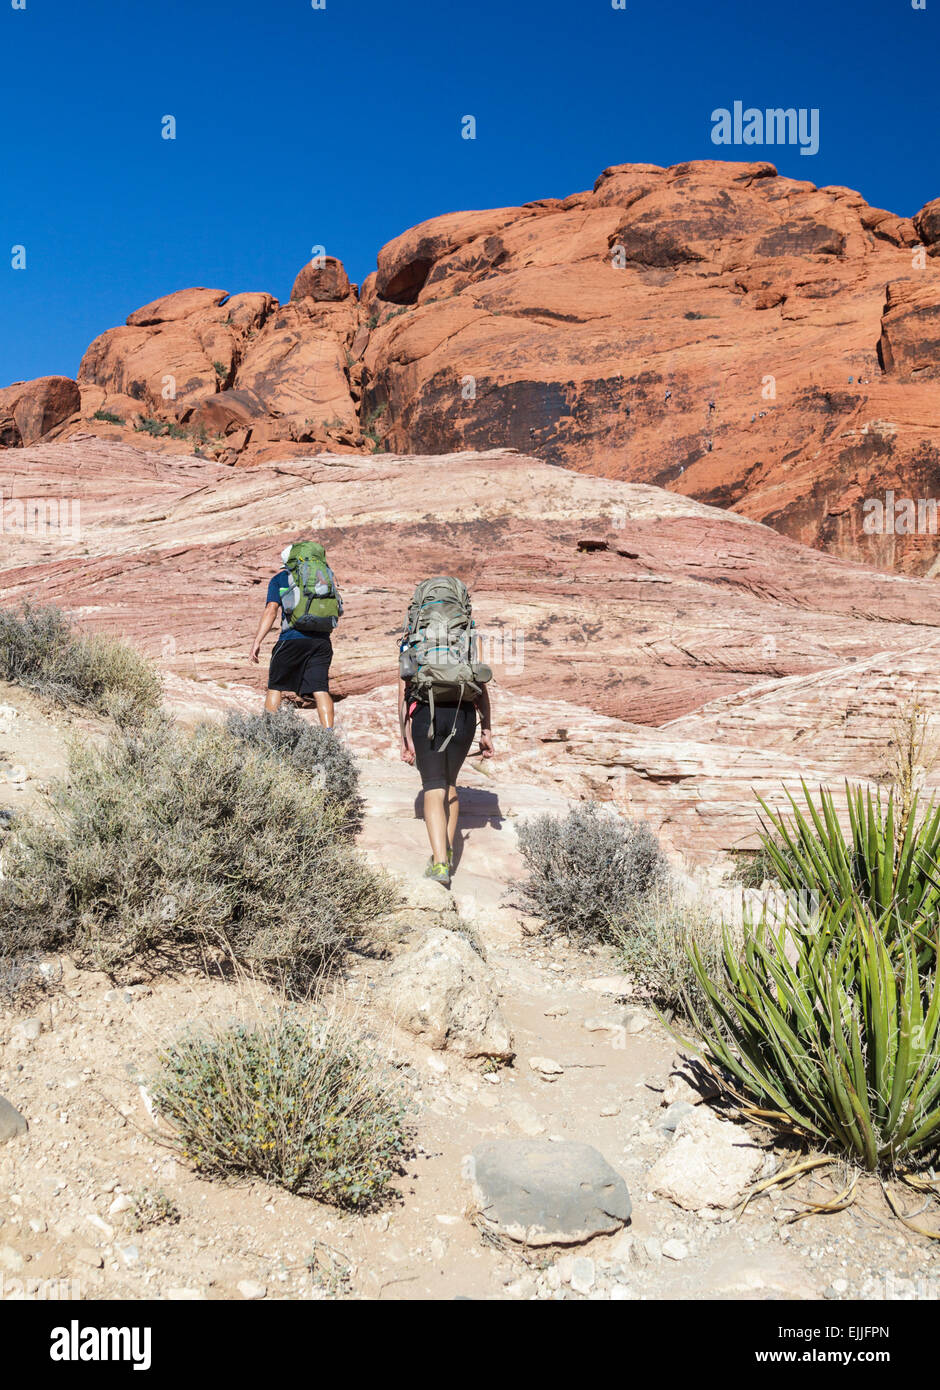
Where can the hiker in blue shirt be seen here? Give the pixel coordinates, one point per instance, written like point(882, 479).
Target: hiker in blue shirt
point(304, 597)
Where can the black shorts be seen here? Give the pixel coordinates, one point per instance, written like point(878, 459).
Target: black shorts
point(439, 770)
point(301, 664)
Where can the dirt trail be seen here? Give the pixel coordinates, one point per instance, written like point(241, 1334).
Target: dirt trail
point(74, 1065)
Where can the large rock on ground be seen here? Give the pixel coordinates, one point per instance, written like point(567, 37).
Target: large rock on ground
point(12, 1123)
point(710, 1163)
point(544, 1193)
point(443, 993)
point(422, 905)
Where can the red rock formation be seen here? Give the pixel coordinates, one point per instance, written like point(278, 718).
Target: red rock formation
point(746, 339)
point(31, 409)
point(712, 328)
point(647, 648)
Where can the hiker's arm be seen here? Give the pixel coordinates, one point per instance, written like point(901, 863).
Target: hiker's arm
point(486, 724)
point(268, 619)
point(404, 724)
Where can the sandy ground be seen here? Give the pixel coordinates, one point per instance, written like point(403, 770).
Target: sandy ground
point(73, 1065)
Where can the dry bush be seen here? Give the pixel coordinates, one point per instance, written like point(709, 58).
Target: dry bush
point(587, 870)
point(653, 943)
point(912, 754)
point(300, 1104)
point(313, 752)
point(40, 652)
point(169, 841)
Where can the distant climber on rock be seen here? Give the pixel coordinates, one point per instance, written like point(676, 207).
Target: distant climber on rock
point(441, 690)
point(304, 596)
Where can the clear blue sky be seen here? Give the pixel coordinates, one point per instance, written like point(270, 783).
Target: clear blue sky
point(341, 127)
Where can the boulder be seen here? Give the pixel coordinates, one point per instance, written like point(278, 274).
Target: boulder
point(296, 366)
point(325, 281)
point(710, 1163)
point(422, 904)
point(927, 225)
point(441, 991)
point(30, 409)
point(178, 305)
point(540, 1192)
point(12, 1123)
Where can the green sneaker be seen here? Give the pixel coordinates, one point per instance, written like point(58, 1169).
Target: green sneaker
point(450, 859)
point(439, 872)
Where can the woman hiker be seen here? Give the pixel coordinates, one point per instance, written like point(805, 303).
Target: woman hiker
point(441, 692)
point(305, 598)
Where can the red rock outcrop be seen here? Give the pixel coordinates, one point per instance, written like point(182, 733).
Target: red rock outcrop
point(716, 329)
point(31, 409)
point(746, 339)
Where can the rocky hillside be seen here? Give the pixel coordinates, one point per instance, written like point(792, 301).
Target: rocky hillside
point(647, 648)
point(713, 328)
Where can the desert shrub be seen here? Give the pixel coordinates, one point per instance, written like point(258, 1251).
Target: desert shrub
point(109, 417)
point(149, 424)
point(313, 752)
point(169, 841)
point(587, 870)
point(653, 943)
point(830, 1033)
point(888, 866)
point(40, 651)
point(302, 1106)
point(152, 1208)
point(22, 982)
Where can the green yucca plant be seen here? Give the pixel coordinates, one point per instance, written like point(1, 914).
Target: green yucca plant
point(889, 865)
point(830, 1032)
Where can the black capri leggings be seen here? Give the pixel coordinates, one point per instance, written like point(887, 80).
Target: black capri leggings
point(439, 770)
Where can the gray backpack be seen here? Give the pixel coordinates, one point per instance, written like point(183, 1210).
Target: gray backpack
point(439, 647)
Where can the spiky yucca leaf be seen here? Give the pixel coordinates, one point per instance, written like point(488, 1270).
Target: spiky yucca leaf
point(893, 877)
point(831, 1033)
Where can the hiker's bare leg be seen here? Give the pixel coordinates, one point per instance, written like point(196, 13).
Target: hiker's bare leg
point(272, 701)
point(324, 702)
point(453, 811)
point(435, 820)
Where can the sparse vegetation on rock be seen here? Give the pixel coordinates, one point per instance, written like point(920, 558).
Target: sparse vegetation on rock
point(299, 1104)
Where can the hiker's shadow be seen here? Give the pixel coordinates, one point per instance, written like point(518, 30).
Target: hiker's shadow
point(478, 807)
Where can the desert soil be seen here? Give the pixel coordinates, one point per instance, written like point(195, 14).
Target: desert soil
point(74, 1065)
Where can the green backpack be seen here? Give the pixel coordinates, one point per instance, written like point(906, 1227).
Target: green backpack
point(311, 603)
point(439, 647)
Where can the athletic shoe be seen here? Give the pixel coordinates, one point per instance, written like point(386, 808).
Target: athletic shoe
point(439, 872)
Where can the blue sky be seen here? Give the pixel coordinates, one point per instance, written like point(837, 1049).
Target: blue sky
point(340, 127)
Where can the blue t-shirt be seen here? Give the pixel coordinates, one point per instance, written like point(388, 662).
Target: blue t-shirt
point(282, 580)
